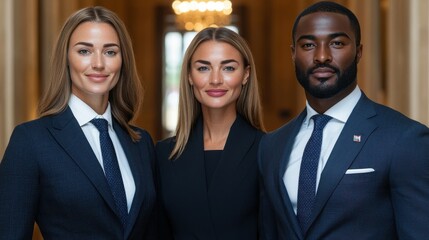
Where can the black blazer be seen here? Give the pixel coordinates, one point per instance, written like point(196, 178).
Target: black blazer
point(50, 174)
point(229, 209)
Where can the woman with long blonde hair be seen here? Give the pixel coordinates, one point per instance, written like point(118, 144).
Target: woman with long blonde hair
point(208, 176)
point(82, 171)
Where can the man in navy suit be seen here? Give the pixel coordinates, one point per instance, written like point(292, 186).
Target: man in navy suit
point(371, 178)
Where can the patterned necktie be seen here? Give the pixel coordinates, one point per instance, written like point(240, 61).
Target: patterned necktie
point(111, 168)
point(308, 172)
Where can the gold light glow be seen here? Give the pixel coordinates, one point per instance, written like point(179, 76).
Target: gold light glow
point(196, 15)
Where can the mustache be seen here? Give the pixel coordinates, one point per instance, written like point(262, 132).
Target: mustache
point(322, 65)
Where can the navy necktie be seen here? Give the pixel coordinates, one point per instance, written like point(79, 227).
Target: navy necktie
point(308, 172)
point(111, 168)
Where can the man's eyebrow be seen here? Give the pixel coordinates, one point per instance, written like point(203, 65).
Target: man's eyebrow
point(331, 36)
point(306, 37)
point(339, 34)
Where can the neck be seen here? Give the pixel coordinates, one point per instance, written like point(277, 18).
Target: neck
point(97, 103)
point(100, 105)
point(216, 128)
point(321, 105)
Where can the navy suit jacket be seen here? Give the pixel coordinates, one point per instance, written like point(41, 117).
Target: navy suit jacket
point(50, 174)
point(229, 208)
point(392, 202)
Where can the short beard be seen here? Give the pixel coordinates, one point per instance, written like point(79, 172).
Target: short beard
point(323, 91)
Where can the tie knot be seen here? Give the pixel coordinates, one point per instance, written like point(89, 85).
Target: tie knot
point(320, 121)
point(100, 123)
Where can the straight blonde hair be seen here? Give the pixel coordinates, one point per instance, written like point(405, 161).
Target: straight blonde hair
point(125, 98)
point(248, 103)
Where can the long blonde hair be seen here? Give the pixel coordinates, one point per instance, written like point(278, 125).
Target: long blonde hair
point(125, 98)
point(248, 103)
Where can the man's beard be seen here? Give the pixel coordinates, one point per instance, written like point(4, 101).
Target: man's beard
point(323, 90)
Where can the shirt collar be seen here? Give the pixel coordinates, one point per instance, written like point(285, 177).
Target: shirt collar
point(341, 110)
point(84, 113)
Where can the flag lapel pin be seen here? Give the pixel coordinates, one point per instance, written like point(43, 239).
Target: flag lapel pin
point(357, 138)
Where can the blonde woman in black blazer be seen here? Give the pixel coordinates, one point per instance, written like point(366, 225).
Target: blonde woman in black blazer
point(208, 174)
point(53, 172)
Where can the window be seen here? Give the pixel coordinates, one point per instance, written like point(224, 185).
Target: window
point(175, 44)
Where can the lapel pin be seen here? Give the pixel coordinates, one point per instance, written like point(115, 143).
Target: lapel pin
point(356, 138)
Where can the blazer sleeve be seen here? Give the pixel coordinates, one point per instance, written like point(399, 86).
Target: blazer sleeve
point(162, 150)
point(409, 178)
point(151, 225)
point(19, 187)
point(267, 222)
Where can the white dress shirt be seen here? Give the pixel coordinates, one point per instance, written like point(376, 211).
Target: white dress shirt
point(84, 114)
point(340, 112)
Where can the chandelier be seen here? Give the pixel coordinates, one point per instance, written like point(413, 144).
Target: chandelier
point(195, 15)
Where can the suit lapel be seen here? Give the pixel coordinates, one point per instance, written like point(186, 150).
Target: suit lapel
point(239, 141)
point(345, 151)
point(67, 132)
point(132, 152)
point(194, 156)
point(295, 126)
point(191, 173)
